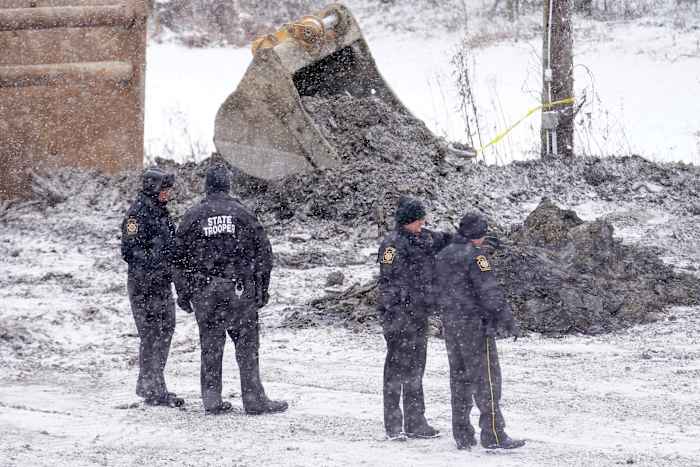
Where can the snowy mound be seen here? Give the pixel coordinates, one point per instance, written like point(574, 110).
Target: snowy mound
point(384, 152)
point(562, 275)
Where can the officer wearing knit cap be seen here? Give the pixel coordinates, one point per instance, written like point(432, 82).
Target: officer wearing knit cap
point(224, 264)
point(147, 246)
point(406, 262)
point(473, 311)
point(408, 211)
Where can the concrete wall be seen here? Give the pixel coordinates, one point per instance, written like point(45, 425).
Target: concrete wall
point(86, 114)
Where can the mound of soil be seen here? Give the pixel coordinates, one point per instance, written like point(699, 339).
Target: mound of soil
point(386, 153)
point(561, 275)
point(564, 275)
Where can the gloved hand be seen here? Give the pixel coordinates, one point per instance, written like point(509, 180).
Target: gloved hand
point(513, 329)
point(184, 303)
point(492, 242)
point(502, 329)
point(261, 297)
point(490, 328)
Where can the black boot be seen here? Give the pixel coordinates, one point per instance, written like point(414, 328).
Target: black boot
point(423, 431)
point(266, 406)
point(169, 399)
point(219, 409)
point(466, 442)
point(395, 436)
point(503, 442)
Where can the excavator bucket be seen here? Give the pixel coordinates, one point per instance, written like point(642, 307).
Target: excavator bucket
point(262, 128)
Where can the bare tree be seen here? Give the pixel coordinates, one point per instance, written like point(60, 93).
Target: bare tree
point(584, 6)
point(558, 79)
point(512, 7)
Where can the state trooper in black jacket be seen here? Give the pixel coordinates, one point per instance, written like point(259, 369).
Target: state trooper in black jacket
point(225, 260)
point(474, 311)
point(147, 246)
point(406, 258)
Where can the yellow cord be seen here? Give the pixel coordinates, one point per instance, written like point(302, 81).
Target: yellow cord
point(493, 403)
point(546, 106)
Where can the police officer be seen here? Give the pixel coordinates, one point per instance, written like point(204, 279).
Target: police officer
point(406, 259)
point(147, 246)
point(474, 311)
point(225, 258)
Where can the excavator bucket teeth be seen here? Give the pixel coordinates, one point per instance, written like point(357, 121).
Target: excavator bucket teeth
point(262, 128)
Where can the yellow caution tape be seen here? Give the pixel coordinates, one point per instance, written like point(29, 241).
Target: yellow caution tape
point(549, 105)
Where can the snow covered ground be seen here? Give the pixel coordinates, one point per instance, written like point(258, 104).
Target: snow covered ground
point(68, 352)
point(615, 400)
point(641, 80)
point(68, 345)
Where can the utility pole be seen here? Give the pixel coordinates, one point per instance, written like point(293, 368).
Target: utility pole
point(557, 132)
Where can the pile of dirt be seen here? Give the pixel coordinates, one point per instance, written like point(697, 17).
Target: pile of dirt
point(561, 275)
point(385, 153)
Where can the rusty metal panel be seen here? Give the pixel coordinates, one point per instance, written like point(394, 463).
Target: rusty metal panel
point(71, 87)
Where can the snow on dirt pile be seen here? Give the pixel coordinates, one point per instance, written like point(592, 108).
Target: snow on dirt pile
point(562, 275)
point(64, 242)
point(384, 152)
point(565, 275)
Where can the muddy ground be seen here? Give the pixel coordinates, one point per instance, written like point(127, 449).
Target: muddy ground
point(562, 274)
point(602, 247)
point(68, 344)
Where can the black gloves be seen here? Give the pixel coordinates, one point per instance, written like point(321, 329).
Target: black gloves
point(184, 303)
point(512, 329)
point(261, 296)
point(495, 329)
point(492, 242)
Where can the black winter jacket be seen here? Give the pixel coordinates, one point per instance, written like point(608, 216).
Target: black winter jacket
point(220, 237)
point(406, 272)
point(468, 286)
point(147, 245)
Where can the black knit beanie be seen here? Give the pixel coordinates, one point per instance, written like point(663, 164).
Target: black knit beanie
point(155, 179)
point(473, 225)
point(409, 210)
point(218, 179)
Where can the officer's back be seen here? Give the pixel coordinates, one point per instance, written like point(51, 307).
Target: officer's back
point(452, 273)
point(220, 237)
point(225, 260)
point(468, 286)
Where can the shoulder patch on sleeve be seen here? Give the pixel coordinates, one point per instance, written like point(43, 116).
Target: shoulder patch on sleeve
point(389, 255)
point(483, 263)
point(132, 226)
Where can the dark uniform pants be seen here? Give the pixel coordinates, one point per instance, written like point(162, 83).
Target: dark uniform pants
point(153, 308)
point(474, 372)
point(406, 352)
point(219, 313)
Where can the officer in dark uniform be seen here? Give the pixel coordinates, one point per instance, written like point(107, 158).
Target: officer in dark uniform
point(225, 260)
point(474, 311)
point(147, 246)
point(406, 257)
